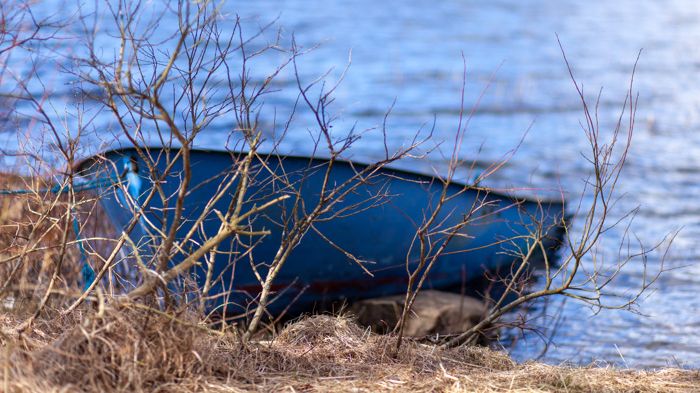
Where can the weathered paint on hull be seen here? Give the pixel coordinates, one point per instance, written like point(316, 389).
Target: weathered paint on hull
point(316, 271)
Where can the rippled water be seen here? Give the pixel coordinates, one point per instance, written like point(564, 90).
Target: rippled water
point(412, 53)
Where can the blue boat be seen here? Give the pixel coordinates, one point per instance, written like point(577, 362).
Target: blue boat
point(319, 270)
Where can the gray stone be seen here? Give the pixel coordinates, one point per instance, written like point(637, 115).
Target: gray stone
point(433, 312)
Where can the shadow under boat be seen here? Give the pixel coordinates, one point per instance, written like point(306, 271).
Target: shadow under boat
point(318, 270)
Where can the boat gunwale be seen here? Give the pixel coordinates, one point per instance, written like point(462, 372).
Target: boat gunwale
point(79, 167)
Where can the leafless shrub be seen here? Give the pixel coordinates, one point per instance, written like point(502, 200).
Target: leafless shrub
point(38, 255)
point(581, 274)
point(171, 99)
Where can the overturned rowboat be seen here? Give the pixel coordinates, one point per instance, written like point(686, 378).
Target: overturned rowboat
point(362, 248)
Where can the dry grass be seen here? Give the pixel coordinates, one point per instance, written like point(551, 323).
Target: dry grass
point(31, 234)
point(30, 238)
point(131, 349)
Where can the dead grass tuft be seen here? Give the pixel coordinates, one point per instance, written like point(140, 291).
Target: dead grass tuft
point(133, 349)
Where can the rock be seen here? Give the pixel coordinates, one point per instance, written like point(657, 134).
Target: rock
point(433, 312)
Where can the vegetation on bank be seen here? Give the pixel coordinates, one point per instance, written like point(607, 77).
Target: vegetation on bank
point(132, 349)
point(111, 345)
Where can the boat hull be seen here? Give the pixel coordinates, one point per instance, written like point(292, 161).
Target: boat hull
point(380, 231)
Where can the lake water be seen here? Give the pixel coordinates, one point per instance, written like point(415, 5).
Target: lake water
point(413, 54)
